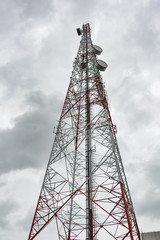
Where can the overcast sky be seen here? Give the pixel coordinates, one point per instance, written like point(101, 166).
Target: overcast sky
point(38, 43)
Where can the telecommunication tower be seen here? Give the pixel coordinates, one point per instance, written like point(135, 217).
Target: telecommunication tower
point(85, 188)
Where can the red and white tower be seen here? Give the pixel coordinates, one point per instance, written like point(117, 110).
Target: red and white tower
point(85, 188)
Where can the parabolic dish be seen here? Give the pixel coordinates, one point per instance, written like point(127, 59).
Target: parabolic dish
point(97, 50)
point(101, 65)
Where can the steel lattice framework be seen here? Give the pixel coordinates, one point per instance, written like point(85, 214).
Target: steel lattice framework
point(85, 188)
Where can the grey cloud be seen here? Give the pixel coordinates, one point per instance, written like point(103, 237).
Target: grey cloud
point(147, 194)
point(142, 35)
point(37, 8)
point(83, 9)
point(6, 208)
point(16, 75)
point(153, 169)
point(148, 205)
point(134, 100)
point(21, 10)
point(8, 17)
point(26, 220)
point(29, 142)
point(23, 25)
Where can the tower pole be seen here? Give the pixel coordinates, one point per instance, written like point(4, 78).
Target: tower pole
point(89, 211)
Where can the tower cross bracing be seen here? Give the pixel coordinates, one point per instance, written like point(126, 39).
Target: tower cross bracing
point(85, 190)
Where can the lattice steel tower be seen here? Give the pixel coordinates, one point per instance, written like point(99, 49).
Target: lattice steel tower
point(85, 188)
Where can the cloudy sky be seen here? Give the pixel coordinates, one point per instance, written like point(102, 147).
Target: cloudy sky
point(38, 43)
